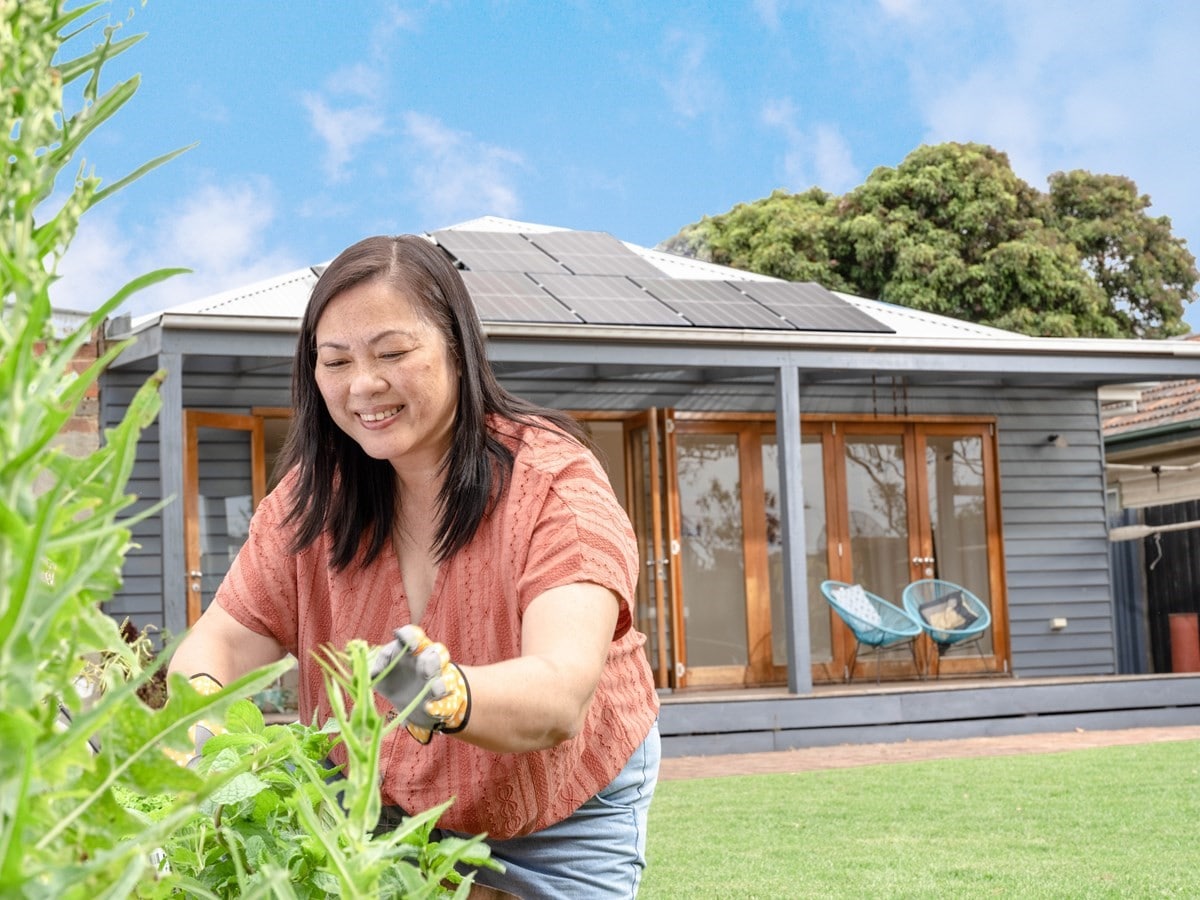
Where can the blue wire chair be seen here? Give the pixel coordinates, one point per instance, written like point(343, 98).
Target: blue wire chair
point(874, 621)
point(949, 614)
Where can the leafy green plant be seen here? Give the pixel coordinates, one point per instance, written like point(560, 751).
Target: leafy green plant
point(286, 824)
point(78, 767)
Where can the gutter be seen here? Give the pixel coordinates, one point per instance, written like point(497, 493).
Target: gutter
point(120, 327)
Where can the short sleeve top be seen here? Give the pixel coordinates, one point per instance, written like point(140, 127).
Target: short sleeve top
point(557, 523)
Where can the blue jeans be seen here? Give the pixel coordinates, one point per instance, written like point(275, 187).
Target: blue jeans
point(599, 851)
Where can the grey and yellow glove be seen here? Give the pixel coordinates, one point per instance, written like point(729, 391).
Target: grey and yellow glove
point(203, 729)
point(408, 664)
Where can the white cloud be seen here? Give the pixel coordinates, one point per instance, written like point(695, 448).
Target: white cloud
point(769, 12)
point(220, 232)
point(817, 156)
point(456, 176)
point(691, 87)
point(832, 159)
point(1110, 98)
point(395, 18)
point(902, 9)
point(346, 115)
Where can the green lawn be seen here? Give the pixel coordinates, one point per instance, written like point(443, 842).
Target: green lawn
point(1115, 822)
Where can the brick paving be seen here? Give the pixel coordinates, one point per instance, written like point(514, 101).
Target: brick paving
point(846, 755)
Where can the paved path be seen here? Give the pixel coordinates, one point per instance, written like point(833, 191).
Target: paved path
point(846, 755)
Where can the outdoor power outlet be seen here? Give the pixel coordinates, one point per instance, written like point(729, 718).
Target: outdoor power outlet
point(1058, 624)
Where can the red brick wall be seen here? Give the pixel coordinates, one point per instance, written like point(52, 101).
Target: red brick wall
point(81, 435)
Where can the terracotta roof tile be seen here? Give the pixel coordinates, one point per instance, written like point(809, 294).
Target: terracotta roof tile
point(1168, 403)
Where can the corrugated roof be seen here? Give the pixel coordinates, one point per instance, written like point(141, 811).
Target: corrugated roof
point(284, 297)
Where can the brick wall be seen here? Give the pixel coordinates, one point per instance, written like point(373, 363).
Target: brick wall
point(81, 434)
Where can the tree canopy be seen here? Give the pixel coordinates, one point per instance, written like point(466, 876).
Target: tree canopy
point(952, 230)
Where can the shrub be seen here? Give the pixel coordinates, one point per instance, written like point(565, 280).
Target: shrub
point(78, 773)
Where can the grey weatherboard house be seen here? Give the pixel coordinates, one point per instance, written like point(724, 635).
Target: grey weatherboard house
point(764, 436)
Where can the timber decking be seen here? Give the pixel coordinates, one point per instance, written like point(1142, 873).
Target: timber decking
point(697, 723)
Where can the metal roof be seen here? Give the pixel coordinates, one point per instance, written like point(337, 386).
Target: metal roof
point(492, 239)
point(617, 324)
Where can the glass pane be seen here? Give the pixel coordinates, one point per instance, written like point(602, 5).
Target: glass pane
point(878, 507)
point(954, 469)
point(813, 474)
point(714, 586)
point(275, 431)
point(642, 517)
point(225, 503)
point(812, 462)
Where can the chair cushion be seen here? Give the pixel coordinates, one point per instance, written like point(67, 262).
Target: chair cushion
point(854, 600)
point(948, 612)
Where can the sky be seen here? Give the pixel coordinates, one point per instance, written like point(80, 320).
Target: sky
point(317, 123)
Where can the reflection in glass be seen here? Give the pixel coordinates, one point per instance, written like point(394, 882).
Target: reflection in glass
point(712, 552)
point(813, 475)
point(224, 505)
point(648, 530)
point(878, 506)
point(954, 470)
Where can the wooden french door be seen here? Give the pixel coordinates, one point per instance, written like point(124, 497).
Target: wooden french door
point(224, 479)
point(885, 503)
point(916, 500)
point(650, 483)
point(728, 568)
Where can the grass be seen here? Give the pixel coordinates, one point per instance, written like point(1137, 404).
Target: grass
point(1115, 822)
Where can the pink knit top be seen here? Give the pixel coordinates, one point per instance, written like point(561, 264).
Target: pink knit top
point(557, 523)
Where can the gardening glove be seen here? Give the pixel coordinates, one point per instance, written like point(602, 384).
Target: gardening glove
point(203, 729)
point(408, 664)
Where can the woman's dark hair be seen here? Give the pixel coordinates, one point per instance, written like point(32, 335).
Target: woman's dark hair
point(347, 493)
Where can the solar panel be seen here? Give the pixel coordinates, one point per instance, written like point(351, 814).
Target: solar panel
point(513, 297)
point(809, 307)
point(494, 251)
point(716, 304)
point(609, 300)
point(593, 253)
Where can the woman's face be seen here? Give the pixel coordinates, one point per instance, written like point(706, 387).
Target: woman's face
point(387, 376)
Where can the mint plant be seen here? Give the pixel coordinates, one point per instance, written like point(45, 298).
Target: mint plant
point(78, 774)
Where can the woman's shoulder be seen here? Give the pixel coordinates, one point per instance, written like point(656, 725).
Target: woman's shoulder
point(538, 444)
point(276, 506)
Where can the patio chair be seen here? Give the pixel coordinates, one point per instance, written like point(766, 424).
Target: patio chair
point(949, 614)
point(874, 621)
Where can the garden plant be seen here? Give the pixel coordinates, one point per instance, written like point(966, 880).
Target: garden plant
point(90, 804)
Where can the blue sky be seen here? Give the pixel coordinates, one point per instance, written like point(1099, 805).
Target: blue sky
point(321, 122)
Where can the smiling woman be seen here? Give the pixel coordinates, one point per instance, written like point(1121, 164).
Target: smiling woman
point(421, 497)
point(388, 379)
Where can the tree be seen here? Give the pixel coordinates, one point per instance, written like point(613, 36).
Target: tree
point(786, 235)
point(1147, 273)
point(952, 230)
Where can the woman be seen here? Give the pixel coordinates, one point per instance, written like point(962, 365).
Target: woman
point(420, 493)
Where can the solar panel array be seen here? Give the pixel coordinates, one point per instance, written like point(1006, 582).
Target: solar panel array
point(514, 297)
point(713, 303)
point(496, 251)
point(589, 277)
point(593, 253)
point(610, 300)
point(810, 307)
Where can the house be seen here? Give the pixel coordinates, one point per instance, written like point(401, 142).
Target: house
point(1152, 451)
point(764, 436)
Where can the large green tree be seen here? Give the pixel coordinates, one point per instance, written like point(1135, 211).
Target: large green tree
point(1146, 272)
point(952, 230)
